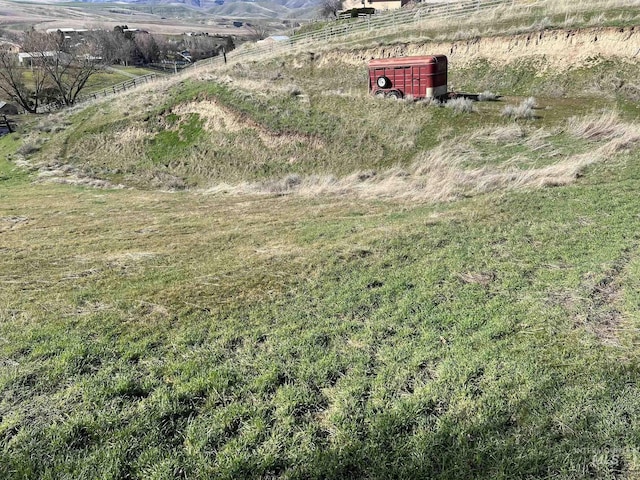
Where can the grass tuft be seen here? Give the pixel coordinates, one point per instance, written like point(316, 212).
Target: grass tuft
point(28, 148)
point(524, 111)
point(461, 105)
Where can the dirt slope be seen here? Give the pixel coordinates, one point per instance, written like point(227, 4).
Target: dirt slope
point(561, 49)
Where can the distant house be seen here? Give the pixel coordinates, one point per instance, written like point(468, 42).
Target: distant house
point(386, 4)
point(8, 108)
point(377, 4)
point(27, 59)
point(10, 46)
point(68, 32)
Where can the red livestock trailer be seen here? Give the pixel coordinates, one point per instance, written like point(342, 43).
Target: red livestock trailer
point(414, 77)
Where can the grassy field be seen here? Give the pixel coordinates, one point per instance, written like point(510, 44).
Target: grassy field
point(164, 335)
point(263, 272)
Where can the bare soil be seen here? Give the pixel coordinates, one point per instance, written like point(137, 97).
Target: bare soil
point(560, 49)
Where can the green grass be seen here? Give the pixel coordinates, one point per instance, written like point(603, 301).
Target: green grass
point(168, 144)
point(140, 71)
point(160, 335)
point(100, 80)
point(10, 175)
point(104, 79)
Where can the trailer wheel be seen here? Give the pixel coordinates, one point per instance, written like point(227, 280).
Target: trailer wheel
point(378, 93)
point(383, 82)
point(395, 95)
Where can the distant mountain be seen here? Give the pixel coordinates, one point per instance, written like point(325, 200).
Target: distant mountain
point(249, 10)
point(241, 9)
point(289, 4)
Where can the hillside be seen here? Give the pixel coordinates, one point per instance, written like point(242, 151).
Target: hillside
point(259, 270)
point(160, 18)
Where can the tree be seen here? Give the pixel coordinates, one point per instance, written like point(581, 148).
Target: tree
point(67, 65)
point(229, 44)
point(124, 47)
point(202, 46)
point(330, 8)
point(14, 86)
point(257, 31)
point(113, 46)
point(147, 48)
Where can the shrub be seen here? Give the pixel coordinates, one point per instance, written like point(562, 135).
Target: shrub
point(429, 101)
point(28, 148)
point(522, 111)
point(461, 105)
point(285, 185)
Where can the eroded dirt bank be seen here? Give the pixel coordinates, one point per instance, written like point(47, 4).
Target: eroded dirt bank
point(560, 48)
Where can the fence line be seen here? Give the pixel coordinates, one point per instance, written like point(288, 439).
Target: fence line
point(353, 27)
point(112, 90)
point(118, 87)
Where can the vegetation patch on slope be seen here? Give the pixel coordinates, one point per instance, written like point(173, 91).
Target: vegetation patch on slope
point(274, 128)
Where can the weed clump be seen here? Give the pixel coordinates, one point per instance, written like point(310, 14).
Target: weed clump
point(605, 127)
point(28, 148)
point(524, 111)
point(461, 105)
point(282, 186)
point(429, 101)
point(487, 96)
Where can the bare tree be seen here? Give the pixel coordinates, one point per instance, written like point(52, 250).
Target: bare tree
point(202, 46)
point(67, 65)
point(257, 31)
point(147, 47)
point(13, 85)
point(113, 46)
point(330, 8)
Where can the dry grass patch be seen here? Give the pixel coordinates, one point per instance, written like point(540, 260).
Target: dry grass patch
point(606, 127)
point(601, 127)
point(440, 174)
point(216, 118)
point(480, 278)
point(436, 175)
